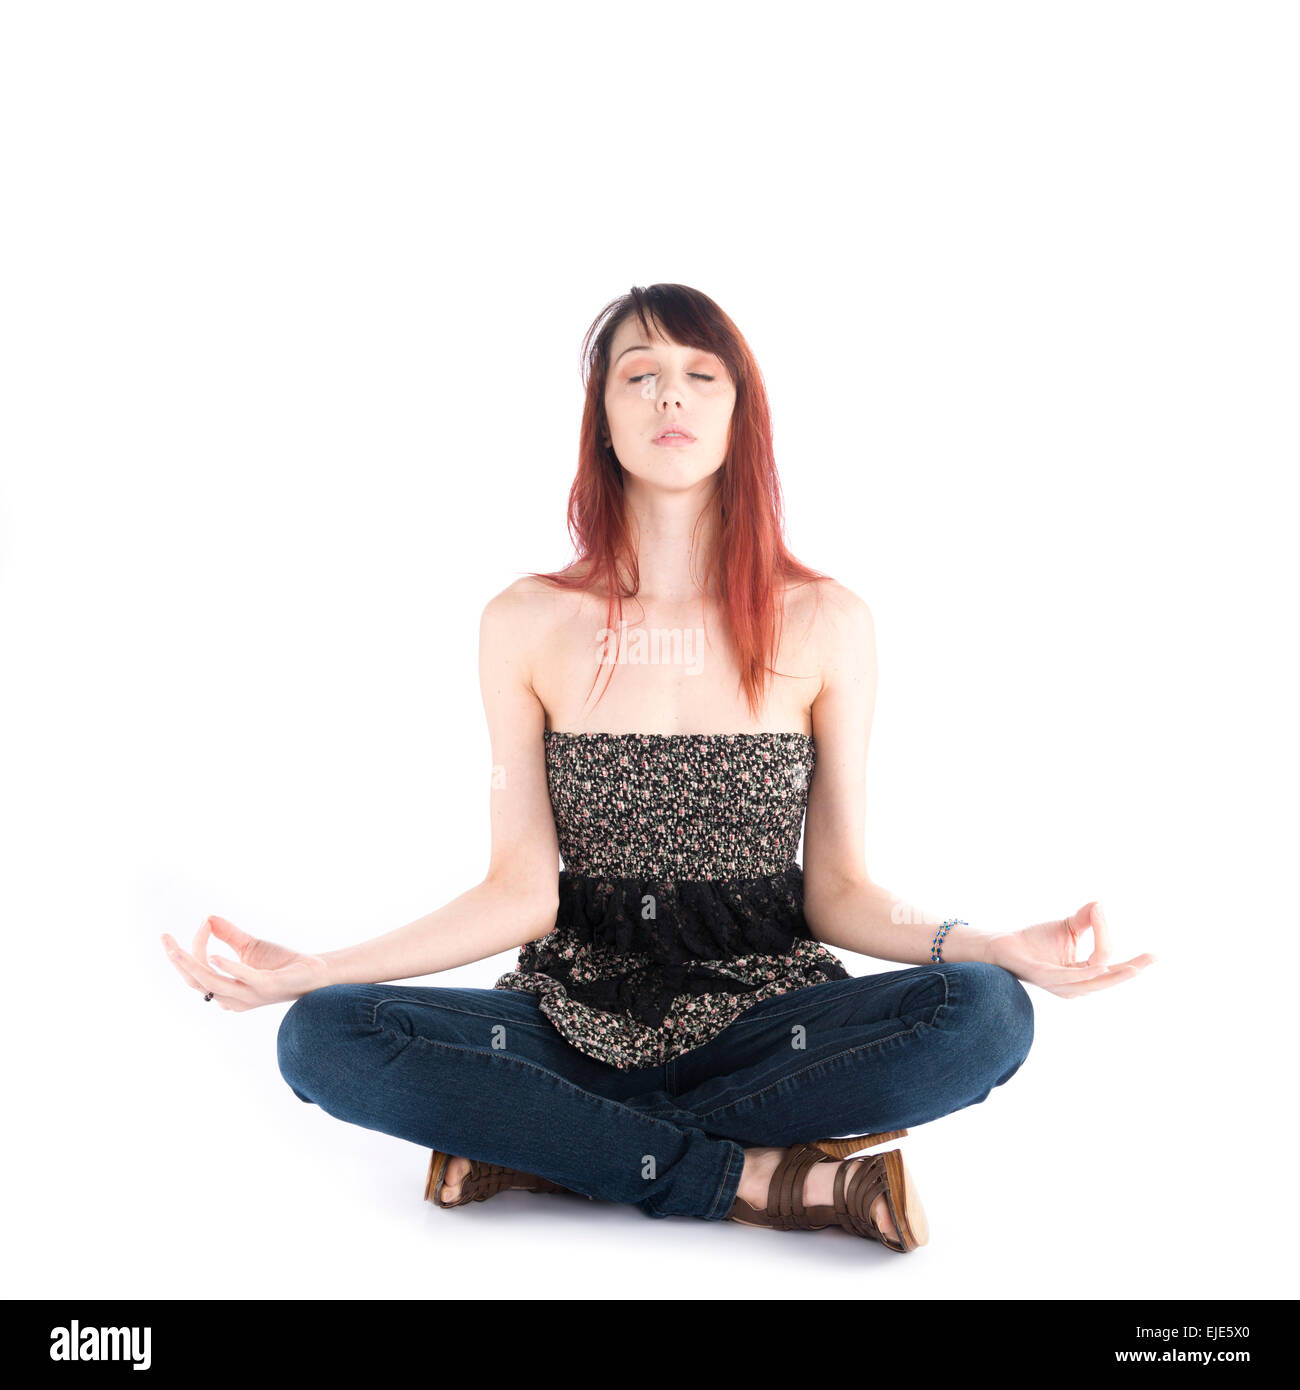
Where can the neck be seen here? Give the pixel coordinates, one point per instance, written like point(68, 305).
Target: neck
point(674, 534)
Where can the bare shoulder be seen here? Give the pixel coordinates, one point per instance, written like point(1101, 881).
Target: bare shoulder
point(519, 623)
point(845, 612)
point(828, 612)
point(520, 607)
point(841, 630)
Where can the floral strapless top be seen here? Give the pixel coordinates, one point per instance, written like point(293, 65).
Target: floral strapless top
point(681, 904)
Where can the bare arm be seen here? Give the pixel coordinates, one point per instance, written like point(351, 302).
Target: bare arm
point(517, 900)
point(842, 905)
point(487, 918)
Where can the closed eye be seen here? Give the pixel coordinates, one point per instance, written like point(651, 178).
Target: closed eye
point(633, 379)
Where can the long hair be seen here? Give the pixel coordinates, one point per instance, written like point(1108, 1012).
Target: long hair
point(749, 558)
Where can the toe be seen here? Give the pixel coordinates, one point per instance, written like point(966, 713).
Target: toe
point(456, 1170)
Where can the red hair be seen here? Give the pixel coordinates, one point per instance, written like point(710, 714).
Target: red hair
point(750, 558)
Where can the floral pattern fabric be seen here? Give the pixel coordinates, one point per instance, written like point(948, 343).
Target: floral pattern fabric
point(680, 901)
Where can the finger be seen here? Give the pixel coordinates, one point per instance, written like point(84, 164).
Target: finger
point(209, 979)
point(224, 999)
point(1111, 978)
point(180, 969)
point(1100, 936)
point(244, 973)
point(1048, 975)
point(1077, 925)
point(238, 941)
point(1113, 975)
point(1071, 941)
point(201, 937)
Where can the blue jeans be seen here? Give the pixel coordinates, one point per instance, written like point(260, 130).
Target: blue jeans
point(481, 1073)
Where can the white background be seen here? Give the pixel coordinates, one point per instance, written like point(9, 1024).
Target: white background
point(292, 302)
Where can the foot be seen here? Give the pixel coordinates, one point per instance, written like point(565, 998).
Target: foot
point(457, 1172)
point(818, 1186)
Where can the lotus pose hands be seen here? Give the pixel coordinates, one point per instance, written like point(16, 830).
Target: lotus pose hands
point(264, 972)
point(1045, 955)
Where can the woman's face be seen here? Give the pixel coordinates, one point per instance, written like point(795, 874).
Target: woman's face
point(654, 384)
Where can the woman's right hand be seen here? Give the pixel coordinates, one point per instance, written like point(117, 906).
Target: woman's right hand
point(264, 972)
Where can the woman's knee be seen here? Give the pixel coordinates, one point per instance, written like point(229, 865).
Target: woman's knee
point(997, 1006)
point(314, 1024)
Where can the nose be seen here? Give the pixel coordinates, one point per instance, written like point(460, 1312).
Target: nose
point(668, 391)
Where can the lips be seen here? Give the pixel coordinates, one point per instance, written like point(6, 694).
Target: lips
point(674, 434)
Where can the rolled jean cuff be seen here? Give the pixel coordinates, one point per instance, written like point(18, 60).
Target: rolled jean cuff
point(728, 1186)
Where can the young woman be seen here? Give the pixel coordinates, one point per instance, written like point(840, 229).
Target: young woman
point(676, 1034)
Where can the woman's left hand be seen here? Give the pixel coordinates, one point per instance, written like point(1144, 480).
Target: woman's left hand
point(1045, 955)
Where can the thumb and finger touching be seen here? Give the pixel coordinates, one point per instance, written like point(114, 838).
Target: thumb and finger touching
point(1100, 935)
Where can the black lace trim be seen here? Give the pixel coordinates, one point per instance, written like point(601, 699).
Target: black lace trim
point(713, 920)
point(706, 919)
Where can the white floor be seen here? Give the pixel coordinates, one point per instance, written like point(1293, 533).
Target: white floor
point(1097, 1172)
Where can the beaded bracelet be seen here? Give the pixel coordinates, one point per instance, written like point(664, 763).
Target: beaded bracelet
point(936, 950)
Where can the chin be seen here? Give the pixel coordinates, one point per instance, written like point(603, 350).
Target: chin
point(670, 472)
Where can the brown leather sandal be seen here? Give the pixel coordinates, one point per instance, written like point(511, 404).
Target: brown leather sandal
point(483, 1180)
point(858, 1183)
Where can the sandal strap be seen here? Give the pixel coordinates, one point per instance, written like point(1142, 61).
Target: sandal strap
point(785, 1204)
point(858, 1182)
point(485, 1180)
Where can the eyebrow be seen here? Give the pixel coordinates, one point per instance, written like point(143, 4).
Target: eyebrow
point(644, 347)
